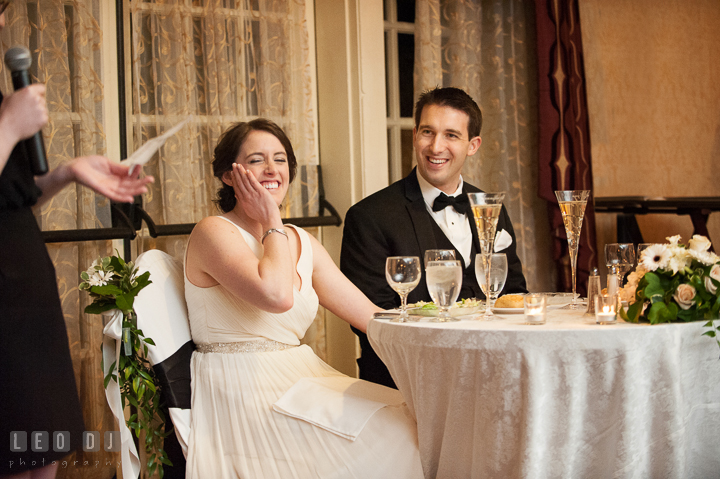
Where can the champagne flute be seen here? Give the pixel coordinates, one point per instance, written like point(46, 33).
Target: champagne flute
point(621, 255)
point(486, 209)
point(498, 275)
point(572, 205)
point(444, 280)
point(439, 255)
point(403, 275)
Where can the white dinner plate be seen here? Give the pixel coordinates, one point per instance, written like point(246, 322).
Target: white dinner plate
point(509, 310)
point(454, 311)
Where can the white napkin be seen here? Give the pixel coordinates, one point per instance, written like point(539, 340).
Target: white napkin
point(339, 404)
point(502, 240)
point(143, 154)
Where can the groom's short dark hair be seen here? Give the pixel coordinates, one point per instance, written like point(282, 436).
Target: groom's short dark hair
point(454, 98)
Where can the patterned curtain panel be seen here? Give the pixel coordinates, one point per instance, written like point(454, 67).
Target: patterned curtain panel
point(564, 134)
point(487, 48)
point(219, 61)
point(65, 41)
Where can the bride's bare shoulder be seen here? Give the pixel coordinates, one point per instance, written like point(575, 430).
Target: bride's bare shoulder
point(212, 229)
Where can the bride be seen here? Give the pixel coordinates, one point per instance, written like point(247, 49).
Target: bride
point(253, 287)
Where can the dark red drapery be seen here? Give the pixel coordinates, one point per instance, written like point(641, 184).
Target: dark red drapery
point(564, 131)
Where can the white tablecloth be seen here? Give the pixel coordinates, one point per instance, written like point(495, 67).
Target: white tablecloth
point(568, 399)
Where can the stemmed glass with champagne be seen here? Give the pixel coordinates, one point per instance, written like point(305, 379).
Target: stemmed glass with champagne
point(498, 275)
point(403, 275)
point(572, 206)
point(444, 280)
point(486, 209)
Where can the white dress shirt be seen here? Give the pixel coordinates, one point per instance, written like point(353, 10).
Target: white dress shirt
point(456, 226)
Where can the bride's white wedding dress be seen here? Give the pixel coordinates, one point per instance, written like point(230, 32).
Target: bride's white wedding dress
point(235, 433)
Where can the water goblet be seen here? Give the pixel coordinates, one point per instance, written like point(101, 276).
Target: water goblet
point(444, 280)
point(498, 274)
point(486, 209)
point(403, 275)
point(572, 206)
point(439, 255)
point(621, 255)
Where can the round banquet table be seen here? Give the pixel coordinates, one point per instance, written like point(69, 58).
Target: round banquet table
point(567, 399)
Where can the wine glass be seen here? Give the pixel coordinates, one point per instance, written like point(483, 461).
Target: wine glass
point(621, 255)
point(486, 209)
point(439, 255)
point(572, 206)
point(498, 275)
point(403, 275)
point(444, 280)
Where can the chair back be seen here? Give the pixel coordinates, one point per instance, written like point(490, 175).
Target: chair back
point(162, 315)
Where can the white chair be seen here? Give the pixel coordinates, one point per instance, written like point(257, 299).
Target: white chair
point(162, 315)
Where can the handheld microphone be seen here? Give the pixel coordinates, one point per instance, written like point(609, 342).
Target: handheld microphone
point(18, 60)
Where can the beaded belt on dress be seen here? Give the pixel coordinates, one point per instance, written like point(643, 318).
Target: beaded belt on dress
point(261, 346)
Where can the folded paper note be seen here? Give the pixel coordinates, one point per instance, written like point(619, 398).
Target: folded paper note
point(143, 154)
point(339, 404)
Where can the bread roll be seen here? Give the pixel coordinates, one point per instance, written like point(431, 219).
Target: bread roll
point(509, 301)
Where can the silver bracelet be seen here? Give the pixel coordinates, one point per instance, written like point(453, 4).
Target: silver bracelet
point(273, 230)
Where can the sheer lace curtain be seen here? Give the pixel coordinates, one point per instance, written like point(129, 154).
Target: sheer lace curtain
point(220, 62)
point(487, 48)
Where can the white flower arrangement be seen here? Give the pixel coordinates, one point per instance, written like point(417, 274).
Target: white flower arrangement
point(113, 284)
point(675, 282)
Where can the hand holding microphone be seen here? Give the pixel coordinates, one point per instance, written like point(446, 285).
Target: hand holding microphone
point(26, 107)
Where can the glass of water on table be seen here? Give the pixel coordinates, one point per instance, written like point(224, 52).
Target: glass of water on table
point(444, 280)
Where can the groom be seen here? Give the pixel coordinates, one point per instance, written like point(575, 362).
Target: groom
point(428, 209)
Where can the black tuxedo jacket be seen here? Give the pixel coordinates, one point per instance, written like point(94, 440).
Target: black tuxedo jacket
point(395, 222)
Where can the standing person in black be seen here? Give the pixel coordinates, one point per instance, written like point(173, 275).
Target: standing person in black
point(428, 209)
point(37, 383)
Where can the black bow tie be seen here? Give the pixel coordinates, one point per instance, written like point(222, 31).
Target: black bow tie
point(460, 203)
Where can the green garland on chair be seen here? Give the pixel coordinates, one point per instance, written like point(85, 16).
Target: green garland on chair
point(114, 284)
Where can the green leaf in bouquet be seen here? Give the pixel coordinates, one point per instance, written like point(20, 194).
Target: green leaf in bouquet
point(124, 301)
point(105, 262)
point(654, 290)
point(688, 315)
point(133, 401)
point(99, 307)
point(633, 312)
point(106, 290)
point(116, 262)
point(660, 312)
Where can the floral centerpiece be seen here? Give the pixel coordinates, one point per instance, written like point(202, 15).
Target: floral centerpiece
point(114, 284)
point(675, 282)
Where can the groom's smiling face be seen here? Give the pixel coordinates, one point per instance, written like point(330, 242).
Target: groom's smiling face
point(442, 143)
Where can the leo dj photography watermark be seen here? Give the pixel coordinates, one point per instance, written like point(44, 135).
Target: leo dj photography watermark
point(59, 441)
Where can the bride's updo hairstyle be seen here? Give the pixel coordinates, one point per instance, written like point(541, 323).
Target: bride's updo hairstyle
point(228, 150)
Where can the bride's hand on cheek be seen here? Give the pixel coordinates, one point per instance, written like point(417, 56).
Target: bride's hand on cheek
point(253, 198)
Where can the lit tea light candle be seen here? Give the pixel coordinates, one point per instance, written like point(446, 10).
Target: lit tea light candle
point(606, 309)
point(535, 307)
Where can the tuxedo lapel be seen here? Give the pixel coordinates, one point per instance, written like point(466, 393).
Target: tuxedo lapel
point(421, 219)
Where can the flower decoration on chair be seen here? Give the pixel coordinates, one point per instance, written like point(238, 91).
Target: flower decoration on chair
point(114, 284)
point(675, 282)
